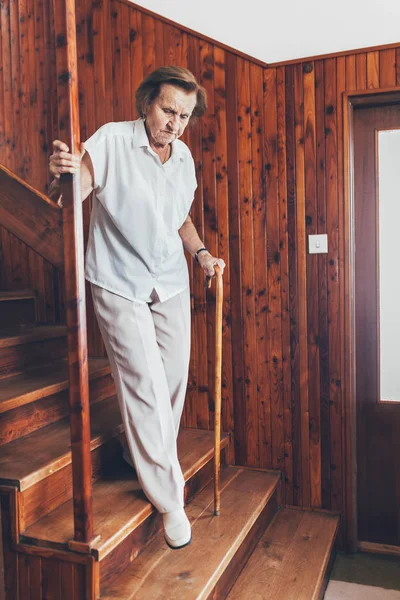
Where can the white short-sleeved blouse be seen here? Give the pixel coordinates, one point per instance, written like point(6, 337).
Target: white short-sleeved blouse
point(139, 204)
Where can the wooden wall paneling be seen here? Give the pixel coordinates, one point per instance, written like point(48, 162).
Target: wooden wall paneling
point(175, 46)
point(100, 56)
point(16, 101)
point(200, 295)
point(273, 269)
point(373, 69)
point(33, 109)
point(53, 74)
point(24, 91)
point(127, 83)
point(331, 125)
point(19, 263)
point(7, 115)
point(284, 275)
point(351, 72)
point(50, 93)
point(397, 66)
point(8, 506)
point(49, 282)
point(322, 285)
point(2, 81)
point(136, 56)
point(51, 578)
point(36, 282)
point(361, 71)
point(235, 259)
point(40, 139)
point(35, 577)
point(263, 394)
point(312, 282)
point(293, 283)
point(67, 581)
point(6, 258)
point(221, 133)
point(340, 352)
point(247, 264)
point(24, 578)
point(189, 418)
point(210, 214)
point(72, 577)
point(149, 44)
point(197, 374)
point(171, 41)
point(387, 68)
point(118, 73)
point(159, 44)
point(341, 88)
point(301, 283)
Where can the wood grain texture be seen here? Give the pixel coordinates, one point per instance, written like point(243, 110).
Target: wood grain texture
point(68, 120)
point(31, 415)
point(31, 217)
point(288, 413)
point(118, 508)
point(291, 558)
point(196, 572)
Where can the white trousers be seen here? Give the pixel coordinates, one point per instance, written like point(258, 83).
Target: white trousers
point(148, 346)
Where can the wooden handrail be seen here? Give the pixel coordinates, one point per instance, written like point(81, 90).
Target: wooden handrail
point(68, 120)
point(32, 217)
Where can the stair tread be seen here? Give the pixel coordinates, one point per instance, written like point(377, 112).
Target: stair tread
point(24, 334)
point(117, 508)
point(290, 559)
point(17, 294)
point(29, 459)
point(160, 573)
point(40, 382)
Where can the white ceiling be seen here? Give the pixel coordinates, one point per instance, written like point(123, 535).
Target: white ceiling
point(287, 29)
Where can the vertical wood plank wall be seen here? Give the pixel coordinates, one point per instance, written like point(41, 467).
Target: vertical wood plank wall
point(27, 124)
point(269, 159)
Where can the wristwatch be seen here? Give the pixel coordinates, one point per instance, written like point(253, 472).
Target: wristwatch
point(196, 254)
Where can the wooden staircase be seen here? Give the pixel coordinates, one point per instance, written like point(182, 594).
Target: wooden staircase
point(128, 557)
point(36, 479)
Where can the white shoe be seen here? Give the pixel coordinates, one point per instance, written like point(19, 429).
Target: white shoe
point(177, 530)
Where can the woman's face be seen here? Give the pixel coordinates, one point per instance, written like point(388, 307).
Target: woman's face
point(169, 114)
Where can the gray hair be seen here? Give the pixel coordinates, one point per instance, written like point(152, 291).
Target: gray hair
point(150, 87)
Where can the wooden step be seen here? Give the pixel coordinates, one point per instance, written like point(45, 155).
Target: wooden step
point(17, 307)
point(292, 559)
point(22, 347)
point(39, 465)
point(39, 397)
point(32, 458)
point(220, 545)
point(123, 517)
point(6, 295)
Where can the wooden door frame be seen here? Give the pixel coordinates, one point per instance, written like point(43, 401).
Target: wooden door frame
point(375, 97)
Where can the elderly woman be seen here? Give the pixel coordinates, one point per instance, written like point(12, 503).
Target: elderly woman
point(144, 181)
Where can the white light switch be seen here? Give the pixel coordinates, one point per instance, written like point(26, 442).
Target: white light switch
point(318, 244)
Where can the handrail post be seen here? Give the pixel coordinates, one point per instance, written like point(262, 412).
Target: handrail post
point(68, 119)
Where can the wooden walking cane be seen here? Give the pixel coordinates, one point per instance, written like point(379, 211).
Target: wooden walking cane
point(217, 389)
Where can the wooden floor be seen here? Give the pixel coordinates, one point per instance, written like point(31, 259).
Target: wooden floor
point(291, 558)
point(217, 551)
